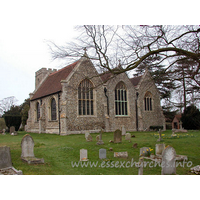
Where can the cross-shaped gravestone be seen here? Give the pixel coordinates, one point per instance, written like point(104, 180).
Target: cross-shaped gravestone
point(168, 161)
point(83, 155)
point(100, 139)
point(160, 138)
point(102, 153)
point(117, 136)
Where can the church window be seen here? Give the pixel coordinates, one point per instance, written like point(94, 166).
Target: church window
point(85, 98)
point(37, 111)
point(148, 102)
point(53, 109)
point(121, 103)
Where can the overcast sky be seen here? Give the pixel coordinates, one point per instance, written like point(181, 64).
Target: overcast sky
point(25, 26)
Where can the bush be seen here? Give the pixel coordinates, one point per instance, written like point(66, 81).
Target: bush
point(13, 121)
point(2, 124)
point(156, 128)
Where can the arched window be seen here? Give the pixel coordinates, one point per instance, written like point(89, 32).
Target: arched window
point(148, 102)
point(85, 98)
point(121, 103)
point(37, 111)
point(53, 109)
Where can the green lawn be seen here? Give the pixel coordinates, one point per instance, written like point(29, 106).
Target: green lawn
point(60, 152)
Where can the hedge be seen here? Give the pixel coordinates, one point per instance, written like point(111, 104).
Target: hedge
point(13, 121)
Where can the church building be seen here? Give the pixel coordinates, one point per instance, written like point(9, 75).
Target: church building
point(76, 99)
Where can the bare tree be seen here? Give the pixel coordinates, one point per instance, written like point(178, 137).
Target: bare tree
point(6, 104)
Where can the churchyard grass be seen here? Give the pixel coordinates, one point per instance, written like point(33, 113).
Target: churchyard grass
point(60, 152)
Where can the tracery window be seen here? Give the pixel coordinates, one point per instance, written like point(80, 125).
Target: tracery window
point(121, 103)
point(148, 102)
point(85, 98)
point(53, 109)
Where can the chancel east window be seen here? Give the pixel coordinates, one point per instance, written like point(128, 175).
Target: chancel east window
point(85, 98)
point(53, 109)
point(148, 102)
point(121, 103)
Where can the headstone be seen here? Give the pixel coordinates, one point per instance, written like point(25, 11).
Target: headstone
point(83, 155)
point(27, 145)
point(86, 134)
point(102, 153)
point(6, 163)
point(140, 169)
point(97, 138)
point(144, 151)
point(100, 142)
point(128, 136)
point(160, 138)
point(195, 169)
point(117, 136)
point(89, 138)
point(110, 149)
point(123, 130)
point(121, 154)
point(168, 161)
point(160, 148)
point(4, 131)
point(12, 129)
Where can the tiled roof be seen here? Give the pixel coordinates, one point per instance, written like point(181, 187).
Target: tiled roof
point(135, 80)
point(52, 83)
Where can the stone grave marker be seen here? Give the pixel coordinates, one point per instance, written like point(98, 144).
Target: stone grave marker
point(12, 129)
point(121, 154)
point(89, 138)
point(100, 142)
point(123, 130)
point(117, 136)
point(6, 163)
point(128, 136)
point(143, 151)
point(83, 155)
point(168, 161)
point(160, 138)
point(160, 148)
point(102, 153)
point(97, 138)
point(86, 134)
point(27, 145)
point(4, 131)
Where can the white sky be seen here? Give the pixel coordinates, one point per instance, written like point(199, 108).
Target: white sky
point(25, 26)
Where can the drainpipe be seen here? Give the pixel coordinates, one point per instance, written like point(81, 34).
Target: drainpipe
point(136, 108)
point(59, 112)
point(105, 90)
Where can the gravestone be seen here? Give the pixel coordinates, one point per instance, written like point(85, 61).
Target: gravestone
point(97, 138)
point(140, 167)
point(117, 136)
point(143, 151)
point(6, 163)
point(121, 154)
point(100, 142)
point(12, 129)
point(128, 136)
point(160, 148)
point(89, 138)
point(86, 134)
point(123, 130)
point(27, 155)
point(4, 131)
point(168, 161)
point(102, 153)
point(160, 138)
point(83, 155)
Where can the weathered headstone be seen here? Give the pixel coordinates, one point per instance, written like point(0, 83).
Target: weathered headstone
point(4, 131)
point(86, 134)
point(160, 148)
point(102, 153)
point(140, 167)
point(160, 138)
point(128, 136)
point(27, 145)
point(89, 138)
point(83, 155)
point(168, 161)
point(121, 154)
point(144, 151)
point(100, 142)
point(97, 138)
point(12, 129)
point(6, 163)
point(123, 130)
point(117, 136)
